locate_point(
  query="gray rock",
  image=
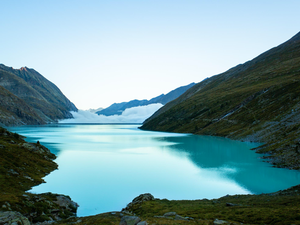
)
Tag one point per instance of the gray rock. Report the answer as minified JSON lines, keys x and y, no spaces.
{"x":217,"y":222}
{"x":142,"y":223}
{"x":37,"y":148}
{"x":138,"y":200}
{"x":11,"y":171}
{"x":177,"y":217}
{"x":29,"y":178}
{"x":6,"y":206}
{"x":130,"y":220}
{"x":142,"y":198}
{"x":170,"y":214}
{"x":66,"y":202}
{"x":13,"y":218}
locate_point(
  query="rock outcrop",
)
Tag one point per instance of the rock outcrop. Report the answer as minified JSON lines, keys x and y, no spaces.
{"x":138,"y":200}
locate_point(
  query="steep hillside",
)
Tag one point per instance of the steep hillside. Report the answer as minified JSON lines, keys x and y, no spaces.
{"x":42,"y":98}
{"x":256,"y":101}
{"x":14,"y":111}
{"x":118,"y":108}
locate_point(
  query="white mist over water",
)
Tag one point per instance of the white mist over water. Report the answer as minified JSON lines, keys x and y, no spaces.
{"x":131,"y":115}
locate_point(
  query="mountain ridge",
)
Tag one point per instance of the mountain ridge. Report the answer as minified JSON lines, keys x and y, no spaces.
{"x":36,"y":92}
{"x":118,"y":108}
{"x":255,"y":101}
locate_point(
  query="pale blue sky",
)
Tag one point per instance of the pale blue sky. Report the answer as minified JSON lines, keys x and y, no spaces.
{"x":101,"y":52}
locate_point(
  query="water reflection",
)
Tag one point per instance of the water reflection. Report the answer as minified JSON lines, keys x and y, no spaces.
{"x":103,"y":167}
{"x":234,"y":160}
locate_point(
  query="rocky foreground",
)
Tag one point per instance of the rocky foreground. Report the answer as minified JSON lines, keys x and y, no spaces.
{"x":281,"y":207}
{"x":22,"y":165}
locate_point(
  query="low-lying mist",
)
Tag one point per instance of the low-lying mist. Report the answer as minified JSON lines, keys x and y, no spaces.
{"x":132,"y":115}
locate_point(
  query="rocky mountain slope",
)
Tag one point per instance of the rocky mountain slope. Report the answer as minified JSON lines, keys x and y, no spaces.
{"x":118,"y":108}
{"x":255,"y":101}
{"x":29,"y":98}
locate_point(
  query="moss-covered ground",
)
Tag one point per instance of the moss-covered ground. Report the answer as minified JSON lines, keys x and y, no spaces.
{"x":282,"y":207}
{"x":22,"y":166}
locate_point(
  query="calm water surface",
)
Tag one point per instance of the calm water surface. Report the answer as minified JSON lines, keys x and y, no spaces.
{"x":103,"y":167}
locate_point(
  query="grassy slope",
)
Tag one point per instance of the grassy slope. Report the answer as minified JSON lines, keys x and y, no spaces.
{"x":255,"y":101}
{"x":282,"y":207}
{"x":22,"y":166}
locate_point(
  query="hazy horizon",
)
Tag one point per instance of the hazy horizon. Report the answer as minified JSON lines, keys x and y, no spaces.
{"x":103,"y":52}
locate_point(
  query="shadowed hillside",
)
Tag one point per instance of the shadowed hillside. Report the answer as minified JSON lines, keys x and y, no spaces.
{"x":29,"y":98}
{"x":255,"y":101}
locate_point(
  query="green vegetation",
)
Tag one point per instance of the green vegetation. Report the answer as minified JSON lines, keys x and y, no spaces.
{"x":22,"y":165}
{"x":256,"y":101}
{"x":282,"y":207}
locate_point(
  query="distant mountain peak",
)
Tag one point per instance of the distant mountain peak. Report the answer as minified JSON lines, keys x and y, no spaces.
{"x":118,"y":108}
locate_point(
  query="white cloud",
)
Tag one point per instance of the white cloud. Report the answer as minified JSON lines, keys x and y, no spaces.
{"x":131,"y":115}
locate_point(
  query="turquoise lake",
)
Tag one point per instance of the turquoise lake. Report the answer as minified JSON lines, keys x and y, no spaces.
{"x":103,"y":167}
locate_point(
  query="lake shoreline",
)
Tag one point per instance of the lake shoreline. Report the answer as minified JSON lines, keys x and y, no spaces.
{"x":155,"y":209}
{"x":281,"y":207}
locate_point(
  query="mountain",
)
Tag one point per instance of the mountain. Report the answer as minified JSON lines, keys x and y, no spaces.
{"x":29,"y":98}
{"x":118,"y":108}
{"x":95,"y":110}
{"x":256,"y":101}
